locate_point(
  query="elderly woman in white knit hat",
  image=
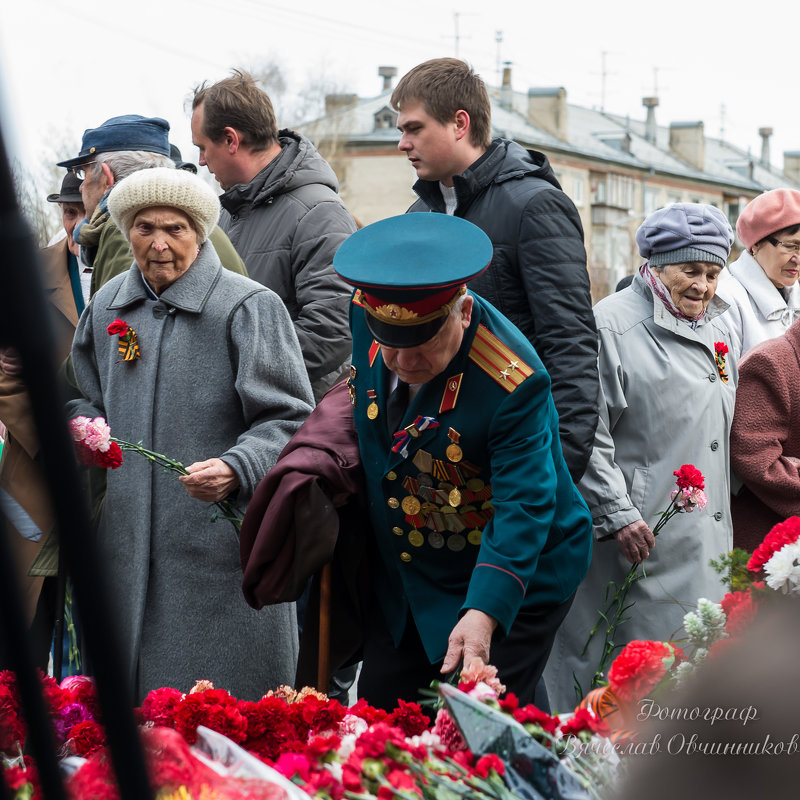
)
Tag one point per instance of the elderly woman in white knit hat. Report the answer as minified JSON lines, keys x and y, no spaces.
{"x":217,"y":382}
{"x":761,"y":286}
{"x":667,"y":400}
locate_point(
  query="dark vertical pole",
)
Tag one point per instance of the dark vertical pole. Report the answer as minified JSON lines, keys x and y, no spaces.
{"x":24,"y":324}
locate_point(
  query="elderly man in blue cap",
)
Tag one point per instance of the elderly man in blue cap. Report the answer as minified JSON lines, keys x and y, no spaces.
{"x":117,"y":148}
{"x":480,"y":537}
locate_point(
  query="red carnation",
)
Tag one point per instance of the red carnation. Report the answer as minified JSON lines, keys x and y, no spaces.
{"x":269,"y":726}
{"x":370,"y":715}
{"x":118,"y":326}
{"x":689,"y":477}
{"x":531,"y":714}
{"x":12,"y":726}
{"x":410,"y":718}
{"x":721,"y":348}
{"x":640,"y":666}
{"x":584,"y":720}
{"x":786,"y":532}
{"x":491,"y":761}
{"x":740,"y":609}
{"x":86,"y":737}
{"x":159,"y":706}
{"x":215,"y":709}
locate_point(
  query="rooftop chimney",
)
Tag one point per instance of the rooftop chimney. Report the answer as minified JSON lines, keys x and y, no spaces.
{"x":791,"y":165}
{"x":506,"y":95}
{"x":650,"y":127}
{"x":687,"y":141}
{"x":387,"y":73}
{"x":765,"y":133}
{"x":547,"y":109}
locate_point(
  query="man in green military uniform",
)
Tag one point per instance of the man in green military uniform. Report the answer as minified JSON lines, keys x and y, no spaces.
{"x":480,"y":537}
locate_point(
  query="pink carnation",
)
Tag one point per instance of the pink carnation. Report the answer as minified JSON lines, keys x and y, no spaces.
{"x":98,"y":435}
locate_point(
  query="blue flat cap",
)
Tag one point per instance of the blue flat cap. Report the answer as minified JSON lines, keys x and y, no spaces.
{"x":410,"y":270}
{"x":684,"y":232}
{"x":128,"y":132}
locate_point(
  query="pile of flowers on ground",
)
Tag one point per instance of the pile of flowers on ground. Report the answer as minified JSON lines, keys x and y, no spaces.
{"x":649,"y":669}
{"x":324,"y":748}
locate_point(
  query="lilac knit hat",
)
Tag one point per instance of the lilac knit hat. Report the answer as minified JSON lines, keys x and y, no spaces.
{"x":685,"y":232}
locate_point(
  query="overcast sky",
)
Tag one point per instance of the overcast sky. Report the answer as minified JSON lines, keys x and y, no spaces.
{"x":68,"y":66}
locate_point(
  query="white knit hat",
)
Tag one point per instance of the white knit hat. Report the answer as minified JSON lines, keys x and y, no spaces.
{"x":162,"y":186}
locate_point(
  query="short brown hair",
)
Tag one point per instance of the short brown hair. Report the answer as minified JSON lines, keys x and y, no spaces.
{"x":237,"y":102}
{"x":444,"y":86}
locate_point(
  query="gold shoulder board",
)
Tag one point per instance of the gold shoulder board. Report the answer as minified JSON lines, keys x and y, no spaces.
{"x":497,"y":360}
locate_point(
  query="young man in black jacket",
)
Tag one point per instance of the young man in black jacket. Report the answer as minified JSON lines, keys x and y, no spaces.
{"x":538,"y":276}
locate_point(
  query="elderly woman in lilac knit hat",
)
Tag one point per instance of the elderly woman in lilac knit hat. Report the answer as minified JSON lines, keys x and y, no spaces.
{"x":761,"y":286}
{"x":667,"y":400}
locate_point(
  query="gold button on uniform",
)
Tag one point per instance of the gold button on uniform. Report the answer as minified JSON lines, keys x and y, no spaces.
{"x":406,"y":557}
{"x":393,"y":502}
{"x":474,"y":536}
{"x":397,"y":531}
{"x":391,"y":475}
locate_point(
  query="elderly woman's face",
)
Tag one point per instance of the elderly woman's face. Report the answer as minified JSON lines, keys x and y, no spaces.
{"x":776,"y":256}
{"x":691,"y":285}
{"x":164,"y":245}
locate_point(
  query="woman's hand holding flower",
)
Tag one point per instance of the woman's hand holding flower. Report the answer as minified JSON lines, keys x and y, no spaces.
{"x":636,"y":541}
{"x":210,"y":480}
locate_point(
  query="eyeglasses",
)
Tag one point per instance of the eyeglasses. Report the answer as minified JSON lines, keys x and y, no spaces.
{"x":80,"y":171}
{"x":788,"y":247}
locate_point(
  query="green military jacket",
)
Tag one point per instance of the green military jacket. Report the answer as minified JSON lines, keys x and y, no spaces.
{"x":474,"y":507}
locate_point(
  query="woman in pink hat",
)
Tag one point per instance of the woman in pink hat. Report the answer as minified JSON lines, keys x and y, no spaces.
{"x":761,"y":286}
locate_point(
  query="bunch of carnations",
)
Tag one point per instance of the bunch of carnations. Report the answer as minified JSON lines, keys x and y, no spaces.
{"x":93,"y":443}
{"x":778,"y":557}
{"x":687,"y":496}
{"x":96,"y":447}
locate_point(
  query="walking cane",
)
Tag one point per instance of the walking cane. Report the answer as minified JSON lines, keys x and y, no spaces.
{"x":324,"y":658}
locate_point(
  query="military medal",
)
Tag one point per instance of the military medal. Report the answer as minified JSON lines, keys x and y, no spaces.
{"x":456,"y":543}
{"x":454,"y":452}
{"x":454,"y":498}
{"x":416,"y":538}
{"x":411,"y":505}
{"x":474,"y":536}
{"x":372,"y":408}
{"x":436,"y":540}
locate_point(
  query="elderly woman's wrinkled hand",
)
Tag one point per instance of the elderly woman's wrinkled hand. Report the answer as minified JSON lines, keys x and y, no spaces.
{"x":636,"y":541}
{"x":210,"y":480}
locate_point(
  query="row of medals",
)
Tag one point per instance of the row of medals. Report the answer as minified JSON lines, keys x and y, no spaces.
{"x":412,"y":506}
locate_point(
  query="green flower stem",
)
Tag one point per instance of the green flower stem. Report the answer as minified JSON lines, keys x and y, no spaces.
{"x":613,"y":615}
{"x":226,"y":508}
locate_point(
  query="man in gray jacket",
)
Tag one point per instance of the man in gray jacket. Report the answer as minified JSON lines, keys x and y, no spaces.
{"x":282,"y":212}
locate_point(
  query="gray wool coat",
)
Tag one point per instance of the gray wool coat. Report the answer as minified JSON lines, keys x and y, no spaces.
{"x":663,"y":404}
{"x":220,"y":375}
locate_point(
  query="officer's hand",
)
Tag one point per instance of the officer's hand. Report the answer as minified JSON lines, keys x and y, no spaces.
{"x":10,"y":362}
{"x":471,"y":638}
{"x":636,"y":541}
{"x":210,"y":480}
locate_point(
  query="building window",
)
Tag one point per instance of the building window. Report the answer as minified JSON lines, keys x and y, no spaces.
{"x":577,"y":192}
{"x":385,"y":118}
{"x":650,"y":200}
{"x":612,"y":189}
